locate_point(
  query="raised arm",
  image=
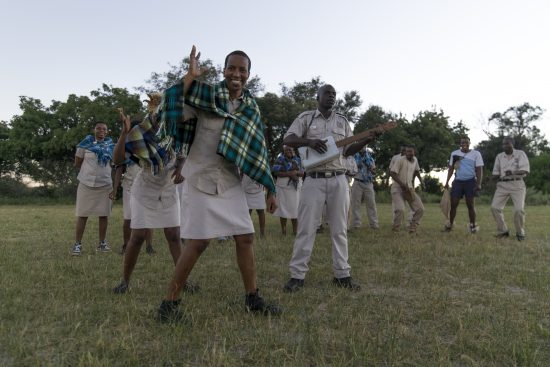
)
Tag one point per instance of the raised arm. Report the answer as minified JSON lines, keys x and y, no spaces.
{"x":118,"y":176}
{"x":119,"y":154}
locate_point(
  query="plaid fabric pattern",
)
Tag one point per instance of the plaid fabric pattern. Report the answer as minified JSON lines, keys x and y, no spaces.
{"x":242,"y":139}
{"x":364,"y":165}
{"x":146,"y":143}
{"x":102,"y":149}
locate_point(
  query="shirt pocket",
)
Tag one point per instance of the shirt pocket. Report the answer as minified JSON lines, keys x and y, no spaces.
{"x":338,"y":133}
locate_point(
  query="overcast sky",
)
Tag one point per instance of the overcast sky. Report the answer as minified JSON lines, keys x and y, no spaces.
{"x":470,"y":58}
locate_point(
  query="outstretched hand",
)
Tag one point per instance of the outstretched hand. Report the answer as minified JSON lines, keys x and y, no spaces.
{"x":195,"y":70}
{"x":127,"y":123}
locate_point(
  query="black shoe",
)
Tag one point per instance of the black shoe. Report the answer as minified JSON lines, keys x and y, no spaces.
{"x":503,"y":235}
{"x":254,"y":303}
{"x":191,"y":288}
{"x":121,"y":288}
{"x":149,"y":250}
{"x":293,"y":285}
{"x":520,"y":237}
{"x":346,"y":282}
{"x":169,"y":312}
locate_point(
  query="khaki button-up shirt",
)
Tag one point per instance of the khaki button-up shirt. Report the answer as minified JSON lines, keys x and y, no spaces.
{"x":207,"y":171}
{"x":517,"y":161}
{"x":405,"y":170}
{"x":91,"y":173}
{"x":321,"y":127}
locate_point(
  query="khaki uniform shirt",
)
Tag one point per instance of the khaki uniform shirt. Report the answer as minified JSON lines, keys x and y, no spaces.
{"x":321,"y":127}
{"x":517,"y":161}
{"x":91,"y":173}
{"x":405,"y":170}
{"x":205,"y":170}
{"x":397,"y":156}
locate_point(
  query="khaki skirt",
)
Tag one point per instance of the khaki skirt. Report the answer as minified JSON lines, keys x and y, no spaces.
{"x":211,"y":216}
{"x":154,"y":201}
{"x":93,"y":201}
{"x":126,"y":204}
{"x":288,"y":199}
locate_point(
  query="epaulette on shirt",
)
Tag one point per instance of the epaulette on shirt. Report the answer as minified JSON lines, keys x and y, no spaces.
{"x":342,"y":116}
{"x":306,"y":113}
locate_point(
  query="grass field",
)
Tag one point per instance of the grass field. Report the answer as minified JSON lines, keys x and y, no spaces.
{"x":434,"y":299}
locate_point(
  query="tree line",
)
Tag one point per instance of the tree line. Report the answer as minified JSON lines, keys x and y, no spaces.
{"x":40,"y":142}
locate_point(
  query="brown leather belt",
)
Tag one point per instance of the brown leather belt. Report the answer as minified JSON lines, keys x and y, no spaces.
{"x":324,"y":174}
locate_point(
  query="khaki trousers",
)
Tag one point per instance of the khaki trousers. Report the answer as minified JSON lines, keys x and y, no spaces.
{"x":398,"y":204}
{"x":315,"y":192}
{"x":506,"y":190}
{"x":360,"y":192}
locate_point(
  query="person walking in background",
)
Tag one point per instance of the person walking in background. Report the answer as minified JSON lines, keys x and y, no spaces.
{"x":255,"y":199}
{"x":126,"y":173}
{"x":403,"y":172}
{"x":511,"y":166}
{"x":467,"y":165}
{"x":363,"y":190}
{"x":93,"y":159}
{"x":289,"y":173}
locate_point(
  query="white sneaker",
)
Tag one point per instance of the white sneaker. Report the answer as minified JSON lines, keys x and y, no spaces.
{"x":473,"y":229}
{"x":103,"y":247}
{"x":77,"y":249}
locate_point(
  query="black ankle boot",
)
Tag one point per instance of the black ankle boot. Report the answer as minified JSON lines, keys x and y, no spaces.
{"x":169,"y":311}
{"x":255,"y":303}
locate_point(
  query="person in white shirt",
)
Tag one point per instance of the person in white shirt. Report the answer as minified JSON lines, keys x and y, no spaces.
{"x":93,"y":159}
{"x":467,"y":165}
{"x":511,"y":166}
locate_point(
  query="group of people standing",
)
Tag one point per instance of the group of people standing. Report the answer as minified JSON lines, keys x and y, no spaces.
{"x":196,"y":165}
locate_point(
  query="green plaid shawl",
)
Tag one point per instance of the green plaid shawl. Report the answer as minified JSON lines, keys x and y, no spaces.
{"x":242,"y":139}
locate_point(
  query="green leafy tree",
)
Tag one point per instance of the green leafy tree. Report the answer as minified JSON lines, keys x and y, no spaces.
{"x":434,"y":137}
{"x":44,"y":138}
{"x":7,"y":159}
{"x":519,"y":122}
{"x":539,"y":178}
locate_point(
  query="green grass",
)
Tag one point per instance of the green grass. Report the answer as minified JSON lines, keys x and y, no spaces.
{"x":434,"y":299}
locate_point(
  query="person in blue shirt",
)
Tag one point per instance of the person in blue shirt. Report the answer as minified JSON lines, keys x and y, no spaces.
{"x":362,"y":190}
{"x":467,"y":165}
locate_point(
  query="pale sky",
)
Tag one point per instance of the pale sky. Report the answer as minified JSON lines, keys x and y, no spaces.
{"x":470,"y":58}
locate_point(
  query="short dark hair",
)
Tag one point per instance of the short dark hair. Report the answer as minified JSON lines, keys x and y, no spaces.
{"x":100,"y":122}
{"x":238,"y":53}
{"x":510,"y":139}
{"x":466,"y":137}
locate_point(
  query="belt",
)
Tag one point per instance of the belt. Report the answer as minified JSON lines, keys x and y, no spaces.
{"x":363,"y":181}
{"x":324,"y":174}
{"x":510,"y":179}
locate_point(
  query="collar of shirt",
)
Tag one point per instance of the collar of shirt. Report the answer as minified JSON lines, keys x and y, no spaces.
{"x":317,"y":113}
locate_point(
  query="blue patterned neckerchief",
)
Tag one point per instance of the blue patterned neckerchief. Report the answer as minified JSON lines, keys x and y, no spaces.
{"x":242,"y":140}
{"x":364,"y":164}
{"x":284,"y":164}
{"x":102,"y":149}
